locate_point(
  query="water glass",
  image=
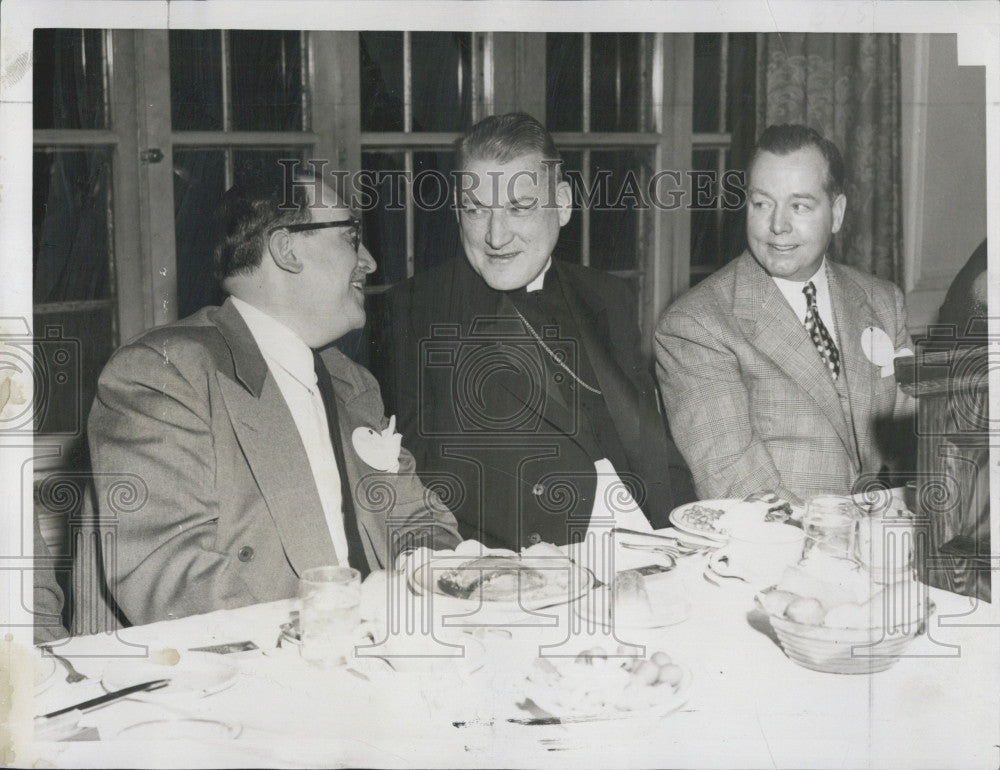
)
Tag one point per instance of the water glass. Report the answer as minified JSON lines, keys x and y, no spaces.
{"x":330,"y":614}
{"x":830,"y":523}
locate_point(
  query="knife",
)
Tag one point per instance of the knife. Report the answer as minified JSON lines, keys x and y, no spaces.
{"x":695,"y":540}
{"x":93,"y":703}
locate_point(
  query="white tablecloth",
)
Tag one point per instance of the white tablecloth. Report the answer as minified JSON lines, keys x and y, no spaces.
{"x":750,"y":706}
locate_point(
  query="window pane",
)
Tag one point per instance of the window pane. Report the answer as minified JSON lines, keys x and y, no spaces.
{"x":196,"y":79}
{"x":199,"y":179}
{"x":441,"y":81}
{"x":383,"y":216}
{"x":381,"y":81}
{"x":614,"y":81}
{"x":435,"y":228}
{"x":569,"y":245}
{"x":265,"y":77}
{"x":705,"y":221}
{"x":615,"y":235}
{"x":71,"y":348}
{"x":564,"y":81}
{"x":69,"y":79}
{"x":707,"y":69}
{"x":741,"y":97}
{"x":71,"y":197}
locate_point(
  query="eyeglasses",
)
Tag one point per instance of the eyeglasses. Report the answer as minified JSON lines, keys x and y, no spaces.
{"x":352,"y":222}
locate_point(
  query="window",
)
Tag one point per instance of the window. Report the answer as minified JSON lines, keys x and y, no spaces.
{"x":723,"y":135}
{"x":238,"y":102}
{"x":419,"y":91}
{"x":137,"y":133}
{"x":599,"y":102}
{"x":73,"y":225}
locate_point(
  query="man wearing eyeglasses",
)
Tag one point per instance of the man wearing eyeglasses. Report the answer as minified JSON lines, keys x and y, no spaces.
{"x":255,"y":450}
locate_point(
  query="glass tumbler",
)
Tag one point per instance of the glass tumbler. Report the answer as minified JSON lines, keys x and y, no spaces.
{"x":830,"y":523}
{"x":330,"y":614}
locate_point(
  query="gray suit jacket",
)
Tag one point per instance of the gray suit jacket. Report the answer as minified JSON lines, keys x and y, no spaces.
{"x":226,"y":512}
{"x":751,"y":403}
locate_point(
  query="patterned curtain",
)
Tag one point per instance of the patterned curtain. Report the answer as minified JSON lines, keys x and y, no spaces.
{"x":847,"y":88}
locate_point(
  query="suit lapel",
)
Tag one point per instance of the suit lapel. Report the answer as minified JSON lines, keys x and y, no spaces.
{"x":270,"y":442}
{"x":852,"y":313}
{"x":773,"y":328}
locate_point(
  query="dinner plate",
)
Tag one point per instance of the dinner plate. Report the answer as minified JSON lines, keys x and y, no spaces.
{"x":585,"y":685}
{"x":179,"y":729}
{"x":667,"y":611}
{"x":715,"y":519}
{"x":196,"y":675}
{"x":45,"y":673}
{"x":565,"y":581}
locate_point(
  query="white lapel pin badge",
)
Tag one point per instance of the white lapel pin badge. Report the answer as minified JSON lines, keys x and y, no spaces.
{"x":380,"y":450}
{"x":878,"y":349}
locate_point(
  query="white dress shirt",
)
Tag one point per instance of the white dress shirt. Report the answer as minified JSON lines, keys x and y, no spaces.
{"x":792,"y":290}
{"x":290,"y":362}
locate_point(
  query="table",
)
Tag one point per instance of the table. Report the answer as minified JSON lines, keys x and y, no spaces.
{"x":750,"y":706}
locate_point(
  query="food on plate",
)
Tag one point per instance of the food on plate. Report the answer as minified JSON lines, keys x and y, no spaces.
{"x":775,"y":602}
{"x":630,"y":596}
{"x":501,"y":578}
{"x":897,"y":606}
{"x":834,"y":583}
{"x":838,"y":596}
{"x":702,"y":518}
{"x":805,"y":610}
{"x":848,"y":615}
{"x":597,"y":681}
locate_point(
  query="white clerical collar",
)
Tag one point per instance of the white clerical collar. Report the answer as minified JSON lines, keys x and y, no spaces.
{"x":539,"y":282}
{"x":278,"y":343}
{"x":795,"y":287}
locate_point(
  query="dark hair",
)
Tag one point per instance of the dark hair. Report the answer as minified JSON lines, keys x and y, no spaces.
{"x":246,"y":213}
{"x":787,"y":138}
{"x":505,"y":137}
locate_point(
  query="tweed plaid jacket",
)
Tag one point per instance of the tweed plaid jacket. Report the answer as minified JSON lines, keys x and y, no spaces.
{"x":751,"y":404}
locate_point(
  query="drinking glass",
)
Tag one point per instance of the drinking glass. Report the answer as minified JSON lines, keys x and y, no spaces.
{"x":830,"y":523}
{"x":330,"y":614}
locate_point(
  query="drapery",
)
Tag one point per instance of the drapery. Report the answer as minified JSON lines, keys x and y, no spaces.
{"x":847,"y":88}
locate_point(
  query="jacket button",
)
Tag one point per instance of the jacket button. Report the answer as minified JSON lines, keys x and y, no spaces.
{"x":538,"y":490}
{"x":245,"y":554}
{"x":534,"y":538}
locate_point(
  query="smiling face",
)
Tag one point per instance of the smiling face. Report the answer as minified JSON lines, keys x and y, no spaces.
{"x":791,"y":217}
{"x":331,"y":283}
{"x":509,"y":215}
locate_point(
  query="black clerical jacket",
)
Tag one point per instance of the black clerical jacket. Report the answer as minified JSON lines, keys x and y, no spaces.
{"x":495,"y":424}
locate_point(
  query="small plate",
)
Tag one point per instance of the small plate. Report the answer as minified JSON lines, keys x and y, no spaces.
{"x":196,"y":675}
{"x":667,"y":611}
{"x":574,"y":700}
{"x":423,"y":580}
{"x":180,"y":729}
{"x":731,"y":512}
{"x":45,"y":673}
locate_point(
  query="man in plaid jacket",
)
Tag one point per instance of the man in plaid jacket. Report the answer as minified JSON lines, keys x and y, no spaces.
{"x":777,"y":370}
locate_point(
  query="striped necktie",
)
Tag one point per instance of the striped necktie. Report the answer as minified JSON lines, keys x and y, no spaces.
{"x":818,"y":332}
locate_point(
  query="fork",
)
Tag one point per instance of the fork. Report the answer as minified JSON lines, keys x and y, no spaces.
{"x":73,"y":676}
